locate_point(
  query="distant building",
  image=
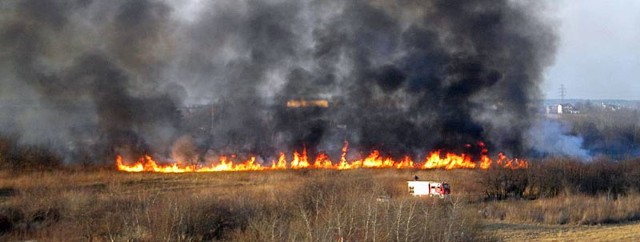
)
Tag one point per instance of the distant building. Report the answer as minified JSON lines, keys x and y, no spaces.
{"x":611,"y":107}
{"x":559,"y":108}
{"x":565,"y":108}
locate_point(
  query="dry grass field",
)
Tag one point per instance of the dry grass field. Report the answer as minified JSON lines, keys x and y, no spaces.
{"x":302,"y":205}
{"x":546,"y":232}
{"x":241,"y":206}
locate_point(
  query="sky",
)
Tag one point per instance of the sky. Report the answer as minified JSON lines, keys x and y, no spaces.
{"x":598,"y":55}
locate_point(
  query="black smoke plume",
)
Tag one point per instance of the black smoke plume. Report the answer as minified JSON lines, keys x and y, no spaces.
{"x":96,"y":78}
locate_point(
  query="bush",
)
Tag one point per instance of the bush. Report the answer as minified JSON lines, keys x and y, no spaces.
{"x":501,"y":183}
{"x":631,"y":174}
{"x":562,"y":176}
{"x":555,"y":176}
{"x":24,"y":157}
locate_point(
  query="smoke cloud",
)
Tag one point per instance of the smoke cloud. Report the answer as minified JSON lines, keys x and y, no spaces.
{"x":552,"y":137}
{"x":98,"y":78}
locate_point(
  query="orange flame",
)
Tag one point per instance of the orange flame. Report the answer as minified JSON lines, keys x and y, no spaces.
{"x":434,"y":160}
{"x":322,"y":103}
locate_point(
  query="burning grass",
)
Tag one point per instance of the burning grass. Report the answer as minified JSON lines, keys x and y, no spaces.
{"x":434,"y":160}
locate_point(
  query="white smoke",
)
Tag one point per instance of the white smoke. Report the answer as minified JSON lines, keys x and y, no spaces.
{"x":551,"y":137}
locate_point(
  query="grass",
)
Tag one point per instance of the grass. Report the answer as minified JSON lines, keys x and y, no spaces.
{"x":244,"y":206}
{"x":572,"y":209}
{"x":304,"y":205}
{"x":544,"y":232}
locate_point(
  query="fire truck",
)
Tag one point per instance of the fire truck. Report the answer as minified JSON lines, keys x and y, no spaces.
{"x":428,"y":188}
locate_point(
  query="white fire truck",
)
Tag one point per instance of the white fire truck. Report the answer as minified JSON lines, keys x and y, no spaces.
{"x":428,"y":188}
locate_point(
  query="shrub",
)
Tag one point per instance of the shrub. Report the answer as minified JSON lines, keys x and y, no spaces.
{"x":25,"y":157}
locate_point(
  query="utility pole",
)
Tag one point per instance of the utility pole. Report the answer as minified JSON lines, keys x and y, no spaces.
{"x":563,"y":91}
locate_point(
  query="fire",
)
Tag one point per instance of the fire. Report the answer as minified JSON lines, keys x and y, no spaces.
{"x":434,"y":160}
{"x":322,"y":103}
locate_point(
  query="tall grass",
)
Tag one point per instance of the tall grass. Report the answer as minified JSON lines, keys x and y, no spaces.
{"x":278,"y":206}
{"x":573,"y":209}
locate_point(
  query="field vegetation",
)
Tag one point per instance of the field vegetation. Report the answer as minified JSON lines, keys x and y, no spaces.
{"x":360,"y":205}
{"x":310,"y":205}
{"x":42,"y":198}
